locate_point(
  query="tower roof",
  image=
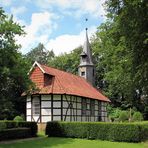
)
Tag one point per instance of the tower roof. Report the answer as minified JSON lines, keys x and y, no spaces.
{"x":87,"y":51}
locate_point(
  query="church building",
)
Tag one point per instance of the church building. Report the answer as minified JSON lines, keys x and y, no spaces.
{"x":62,"y":96}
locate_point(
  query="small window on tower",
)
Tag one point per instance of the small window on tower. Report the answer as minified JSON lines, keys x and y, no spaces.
{"x":83,"y":73}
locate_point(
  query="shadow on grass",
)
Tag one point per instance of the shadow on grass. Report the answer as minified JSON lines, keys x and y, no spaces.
{"x":45,"y":142}
{"x":56,"y":142}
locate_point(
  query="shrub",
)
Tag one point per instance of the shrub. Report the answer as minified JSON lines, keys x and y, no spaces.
{"x":137,"y":116}
{"x":99,"y":131}
{"x":123,"y":116}
{"x":10,"y":124}
{"x":31,"y":125}
{"x":115,"y":113}
{"x":18,"y":119}
{"x":126,"y":132}
{"x":15,"y":133}
{"x":2,"y":126}
{"x":75,"y":129}
{"x":54,"y":129}
{"x":6,"y":125}
{"x":144,"y":131}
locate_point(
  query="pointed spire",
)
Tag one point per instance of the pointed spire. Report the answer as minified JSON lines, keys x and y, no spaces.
{"x":87,"y":51}
{"x":86,"y":67}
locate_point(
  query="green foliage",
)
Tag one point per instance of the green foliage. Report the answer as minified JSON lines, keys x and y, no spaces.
{"x":2,"y":126}
{"x":113,"y":113}
{"x":105,"y":131}
{"x":54,"y":129}
{"x":13,"y":69}
{"x":31,"y":125}
{"x":15,"y":133}
{"x":124,"y":116}
{"x":57,"y":142}
{"x":18,"y":119}
{"x":137,"y":116}
{"x":13,"y":124}
{"x":76,"y":130}
{"x":67,"y":62}
{"x":9,"y":124}
{"x":125,"y":132}
{"x":120,"y":54}
{"x":39,"y":54}
{"x":131,"y":20}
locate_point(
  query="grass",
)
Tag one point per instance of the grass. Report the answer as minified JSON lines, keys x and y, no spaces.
{"x":45,"y":142}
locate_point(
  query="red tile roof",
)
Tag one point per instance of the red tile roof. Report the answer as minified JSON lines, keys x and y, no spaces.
{"x":63,"y":83}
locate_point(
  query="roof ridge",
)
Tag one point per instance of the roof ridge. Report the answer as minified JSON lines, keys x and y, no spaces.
{"x":62,"y":71}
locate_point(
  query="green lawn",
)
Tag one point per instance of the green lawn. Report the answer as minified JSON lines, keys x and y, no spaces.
{"x":45,"y":142}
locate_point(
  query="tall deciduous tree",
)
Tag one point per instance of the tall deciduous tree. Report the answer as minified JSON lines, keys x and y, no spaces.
{"x":13,"y":69}
{"x":132,"y":20}
{"x":68,"y":61}
{"x":121,"y":50}
{"x":40,"y":54}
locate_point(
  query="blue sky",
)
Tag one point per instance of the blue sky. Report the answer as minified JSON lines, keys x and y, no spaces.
{"x":58,"y":24}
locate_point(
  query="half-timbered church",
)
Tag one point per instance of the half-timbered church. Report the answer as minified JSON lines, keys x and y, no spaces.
{"x":62,"y":96}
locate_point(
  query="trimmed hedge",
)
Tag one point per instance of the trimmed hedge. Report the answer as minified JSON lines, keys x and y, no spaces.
{"x":31,"y":125}
{"x":15,"y":133}
{"x":8,"y":124}
{"x":11,"y":127}
{"x":126,"y":132}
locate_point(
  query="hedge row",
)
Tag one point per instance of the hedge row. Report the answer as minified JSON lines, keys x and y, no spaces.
{"x":16,"y":129}
{"x":15,"y":133}
{"x":127,"y":132}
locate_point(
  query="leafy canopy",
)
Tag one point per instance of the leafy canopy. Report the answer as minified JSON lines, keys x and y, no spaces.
{"x":13,"y":68}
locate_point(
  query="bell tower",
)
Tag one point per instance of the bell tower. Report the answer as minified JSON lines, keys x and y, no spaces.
{"x":86,"y":67}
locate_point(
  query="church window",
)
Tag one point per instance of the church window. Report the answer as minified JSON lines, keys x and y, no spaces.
{"x":36,"y":105}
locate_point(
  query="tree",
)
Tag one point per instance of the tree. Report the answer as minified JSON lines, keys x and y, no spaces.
{"x":120,"y":49}
{"x":67,"y":62}
{"x":40,"y":54}
{"x":13,"y":69}
{"x":132,"y":23}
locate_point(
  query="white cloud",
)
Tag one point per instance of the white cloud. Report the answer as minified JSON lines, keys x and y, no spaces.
{"x":18,"y":10}
{"x":80,"y":7}
{"x":5,"y":3}
{"x":66,"y":42}
{"x":39,"y":30}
